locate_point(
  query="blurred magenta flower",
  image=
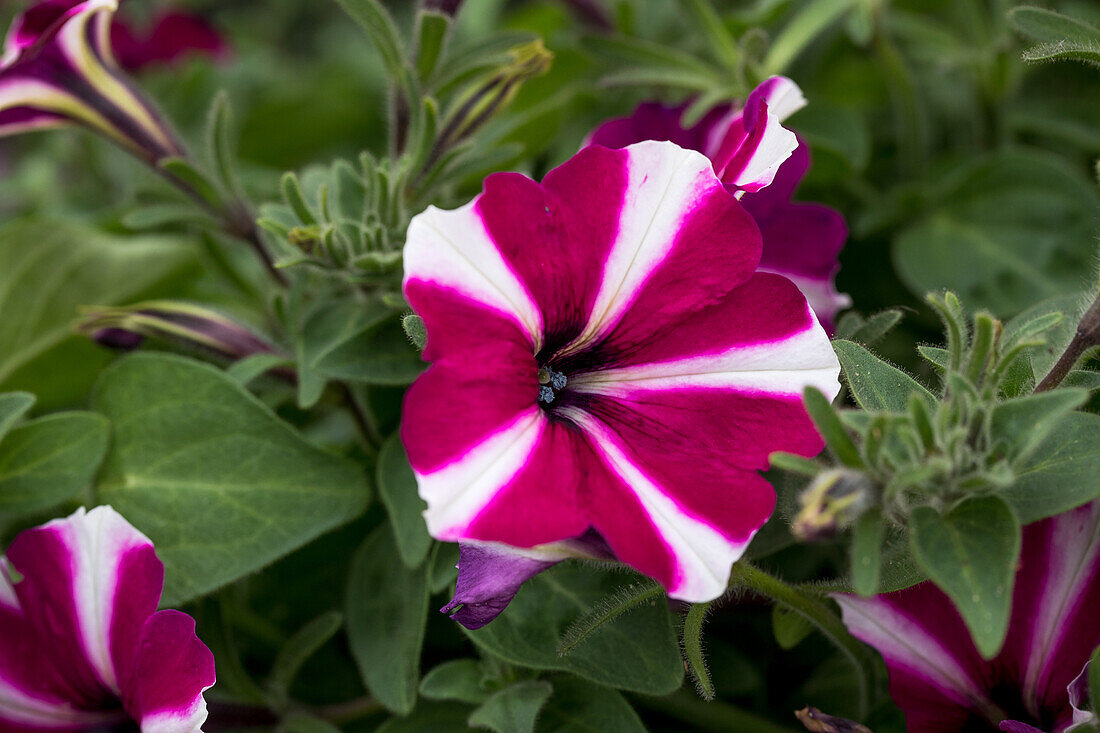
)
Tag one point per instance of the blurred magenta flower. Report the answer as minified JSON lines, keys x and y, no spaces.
{"x":605,"y":358}
{"x":58,"y":69}
{"x":172,"y":36}
{"x":755,"y":155}
{"x":1037,"y":682}
{"x":82,"y":645}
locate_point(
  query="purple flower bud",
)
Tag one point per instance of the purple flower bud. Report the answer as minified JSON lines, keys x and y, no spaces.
{"x":172,"y":36}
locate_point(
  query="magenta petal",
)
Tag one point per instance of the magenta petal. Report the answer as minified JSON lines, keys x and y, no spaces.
{"x":171,"y":670}
{"x":653,"y":121}
{"x":174,"y":36}
{"x":489,"y":576}
{"x":1015,"y":726}
{"x":35,"y":23}
{"x":483,"y":378}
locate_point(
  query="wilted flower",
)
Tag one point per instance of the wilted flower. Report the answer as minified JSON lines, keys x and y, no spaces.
{"x":832,"y":501}
{"x":58,"y":69}
{"x":752,"y":152}
{"x":82,"y":645}
{"x":604,"y":359}
{"x":1036,"y":684}
{"x":171,"y":36}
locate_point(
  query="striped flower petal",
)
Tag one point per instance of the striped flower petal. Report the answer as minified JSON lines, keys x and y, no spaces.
{"x":77,"y":646}
{"x":801,"y":241}
{"x":937,"y":676}
{"x":58,"y":68}
{"x":601,"y":350}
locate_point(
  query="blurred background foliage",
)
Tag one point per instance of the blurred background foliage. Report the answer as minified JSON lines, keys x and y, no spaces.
{"x":956,"y":165}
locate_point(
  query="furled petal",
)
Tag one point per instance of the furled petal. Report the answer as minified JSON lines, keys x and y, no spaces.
{"x":171,"y":670}
{"x":750,"y":145}
{"x":173,"y":36}
{"x":1078,"y":693}
{"x":936,"y":675}
{"x":489,"y":576}
{"x":58,"y":66}
{"x":1054,"y":624}
{"x":89,"y":583}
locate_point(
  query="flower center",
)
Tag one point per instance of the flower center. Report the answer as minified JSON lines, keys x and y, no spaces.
{"x":550,"y":384}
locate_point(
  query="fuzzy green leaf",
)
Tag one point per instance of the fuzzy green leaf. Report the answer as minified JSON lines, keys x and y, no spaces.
{"x":693,"y":650}
{"x":457,"y":679}
{"x":578,"y":706}
{"x":220,"y":484}
{"x":1020,"y":425}
{"x":637,"y":652}
{"x":1061,"y":472}
{"x":788,"y":627}
{"x":831,"y":428}
{"x":13,"y":405}
{"x":513,"y":709}
{"x":867,"y":536}
{"x":46,"y":461}
{"x":876,"y":385}
{"x":971,"y":554}
{"x":397,"y":488}
{"x":387,"y":610}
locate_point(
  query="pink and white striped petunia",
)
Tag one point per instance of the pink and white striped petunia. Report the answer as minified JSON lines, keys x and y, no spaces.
{"x":82,"y":645}
{"x":1036,"y":683}
{"x":58,"y":69}
{"x":801,"y":240}
{"x":605,"y":359}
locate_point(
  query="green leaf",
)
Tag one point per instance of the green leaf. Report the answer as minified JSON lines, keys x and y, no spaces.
{"x":876,"y":385}
{"x":513,"y":709}
{"x":875,"y":327}
{"x":1057,"y":338}
{"x":190,"y":176}
{"x":935,"y":355}
{"x":831,"y":428}
{"x":303,"y":723}
{"x":1020,"y":425}
{"x":292,"y":194}
{"x":722,"y":44}
{"x":1061,"y":37}
{"x":578,"y":706}
{"x":246,"y":370}
{"x":219,"y":148}
{"x":431,"y":32}
{"x":1065,"y":51}
{"x":48,"y":270}
{"x":1061,"y":472}
{"x":46,"y":461}
{"x":373,"y":17}
{"x":811,"y":19}
{"x":220,"y":484}
{"x":867,"y":537}
{"x":457,"y":679}
{"x":299,"y":648}
{"x":971,"y":554}
{"x":638,"y":652}
{"x":13,"y":405}
{"x":153,"y":216}
{"x":387,"y":610}
{"x":1010,"y":228}
{"x":397,"y":487}
{"x":788,"y":627}
{"x":358,"y":342}
{"x":429,"y":718}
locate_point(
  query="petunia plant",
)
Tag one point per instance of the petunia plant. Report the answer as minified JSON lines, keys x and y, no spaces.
{"x":539,"y":366}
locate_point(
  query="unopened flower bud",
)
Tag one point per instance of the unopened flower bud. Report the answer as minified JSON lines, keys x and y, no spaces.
{"x":181,"y":323}
{"x":832,"y":501}
{"x":818,"y":722}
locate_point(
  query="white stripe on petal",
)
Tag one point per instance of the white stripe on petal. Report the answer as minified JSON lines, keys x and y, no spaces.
{"x":906,"y":644}
{"x":174,"y":722}
{"x":454,"y":250}
{"x":664,"y":183}
{"x":783,"y":96}
{"x":457,"y":493}
{"x":775,"y":146}
{"x":97,"y":541}
{"x":16,"y":706}
{"x":703,"y":556}
{"x":781,"y":367}
{"x":1073,"y":554}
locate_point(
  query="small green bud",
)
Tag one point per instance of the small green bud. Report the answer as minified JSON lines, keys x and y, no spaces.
{"x":831,"y":502}
{"x":305,"y":238}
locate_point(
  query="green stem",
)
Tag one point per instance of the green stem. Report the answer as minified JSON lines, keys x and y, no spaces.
{"x":715,"y":716}
{"x":817,"y":613}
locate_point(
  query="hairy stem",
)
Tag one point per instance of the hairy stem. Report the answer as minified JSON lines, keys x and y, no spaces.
{"x":1087,"y":336}
{"x":816,"y":612}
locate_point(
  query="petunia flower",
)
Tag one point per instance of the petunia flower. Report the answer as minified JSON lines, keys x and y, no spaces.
{"x":1036,"y":684}
{"x":82,"y":645}
{"x":58,"y":69}
{"x":801,"y":240}
{"x":172,"y":36}
{"x":606,"y":359}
